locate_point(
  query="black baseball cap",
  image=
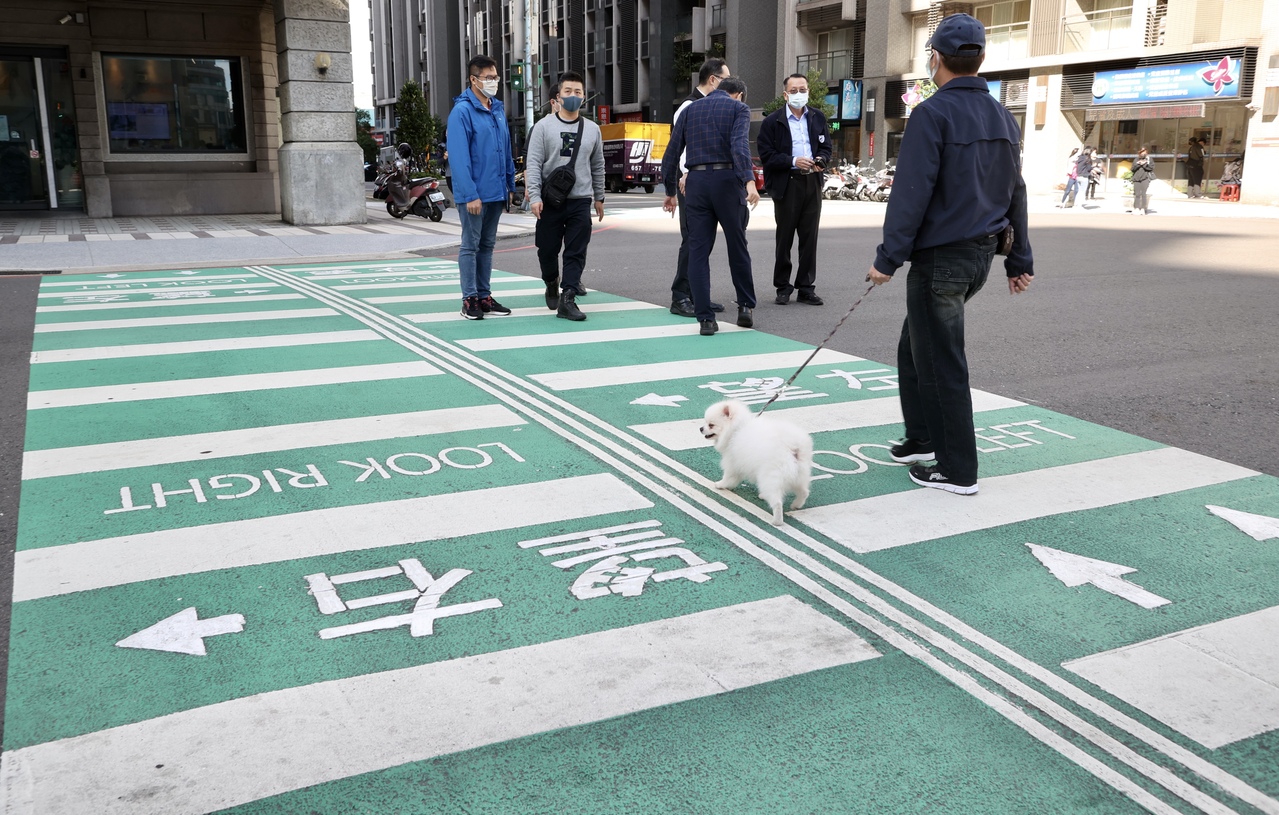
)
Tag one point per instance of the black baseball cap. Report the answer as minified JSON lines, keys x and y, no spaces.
{"x":959,"y":35}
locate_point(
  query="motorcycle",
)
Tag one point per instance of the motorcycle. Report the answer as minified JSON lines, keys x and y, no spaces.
{"x":834,"y":184}
{"x":412,"y":196}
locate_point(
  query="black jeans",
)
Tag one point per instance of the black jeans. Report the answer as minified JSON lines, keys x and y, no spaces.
{"x":799,"y":211}
{"x":680,"y":289}
{"x":716,"y":197}
{"x":932,"y":367}
{"x":567,"y":227}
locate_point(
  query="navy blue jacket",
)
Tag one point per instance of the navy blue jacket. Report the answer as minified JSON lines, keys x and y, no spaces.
{"x":716,"y":130}
{"x":774,"y":142}
{"x":480,"y":150}
{"x":958,"y":178}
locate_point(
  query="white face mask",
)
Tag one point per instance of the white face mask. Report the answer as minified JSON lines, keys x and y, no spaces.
{"x":489,"y":87}
{"x":932,"y":70}
{"x":797,"y":100}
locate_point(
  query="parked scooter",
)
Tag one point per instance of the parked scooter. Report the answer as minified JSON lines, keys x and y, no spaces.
{"x":412,"y":196}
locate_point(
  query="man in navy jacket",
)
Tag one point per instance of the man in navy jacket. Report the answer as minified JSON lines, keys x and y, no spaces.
{"x":794,"y":147}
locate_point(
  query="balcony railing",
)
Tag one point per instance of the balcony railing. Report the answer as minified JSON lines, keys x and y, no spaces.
{"x":1008,"y":42}
{"x":833,"y":64}
{"x":1099,"y":30}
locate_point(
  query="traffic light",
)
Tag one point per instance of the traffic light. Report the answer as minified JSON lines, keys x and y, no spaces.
{"x":518,"y":80}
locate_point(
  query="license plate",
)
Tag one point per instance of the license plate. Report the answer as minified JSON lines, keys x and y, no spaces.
{"x":436,"y":196}
{"x":646,"y":178}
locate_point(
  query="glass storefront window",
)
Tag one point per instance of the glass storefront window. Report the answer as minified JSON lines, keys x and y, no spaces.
{"x":174,"y":104}
{"x":1167,"y":140}
{"x":62,"y":132}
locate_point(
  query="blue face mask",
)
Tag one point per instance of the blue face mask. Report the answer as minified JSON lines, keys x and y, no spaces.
{"x":571,"y":103}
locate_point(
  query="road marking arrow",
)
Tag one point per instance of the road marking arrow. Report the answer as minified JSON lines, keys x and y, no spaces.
{"x":659,"y":401}
{"x":186,"y":272}
{"x":251,"y":291}
{"x":110,"y":275}
{"x":1076,"y":570}
{"x":1260,"y":527}
{"x":183,"y":633}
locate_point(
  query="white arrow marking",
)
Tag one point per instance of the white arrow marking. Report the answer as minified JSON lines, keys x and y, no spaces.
{"x":659,"y":401}
{"x":1076,"y":570}
{"x":251,"y":291}
{"x":110,"y":275}
{"x":1260,"y":527}
{"x":183,"y":633}
{"x":185,"y":272}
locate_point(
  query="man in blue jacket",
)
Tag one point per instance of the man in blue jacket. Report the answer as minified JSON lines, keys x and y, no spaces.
{"x":958,"y":186}
{"x":479,"y":146}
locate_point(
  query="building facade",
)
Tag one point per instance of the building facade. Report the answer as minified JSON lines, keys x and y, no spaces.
{"x":1114,"y":74}
{"x":169,"y":107}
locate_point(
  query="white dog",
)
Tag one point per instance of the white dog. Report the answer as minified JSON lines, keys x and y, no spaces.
{"x":774,"y":455}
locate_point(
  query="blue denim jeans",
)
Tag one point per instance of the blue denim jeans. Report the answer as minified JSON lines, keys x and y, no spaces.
{"x":475,"y":257}
{"x":932,"y":367}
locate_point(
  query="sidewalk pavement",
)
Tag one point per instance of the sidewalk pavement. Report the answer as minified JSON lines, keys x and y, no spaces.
{"x":70,"y":243}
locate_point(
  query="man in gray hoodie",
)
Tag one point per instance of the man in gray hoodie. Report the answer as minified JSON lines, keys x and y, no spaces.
{"x":566,"y":227}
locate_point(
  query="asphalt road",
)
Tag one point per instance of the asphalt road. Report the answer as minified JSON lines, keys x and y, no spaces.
{"x":1159,"y":326}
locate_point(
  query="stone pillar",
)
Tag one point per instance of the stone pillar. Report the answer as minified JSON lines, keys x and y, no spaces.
{"x":321,"y":165}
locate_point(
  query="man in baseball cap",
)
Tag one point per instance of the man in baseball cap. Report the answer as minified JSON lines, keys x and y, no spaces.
{"x":957,"y":196}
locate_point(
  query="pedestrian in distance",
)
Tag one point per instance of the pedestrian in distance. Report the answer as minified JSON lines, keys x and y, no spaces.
{"x":1072,"y":181}
{"x":958,"y":190}
{"x":713,"y":72}
{"x":1195,"y":168}
{"x":719,"y":187}
{"x":479,"y":145}
{"x":794,"y":146}
{"x":1143,"y":172}
{"x":1094,"y":175}
{"x":563,"y":176}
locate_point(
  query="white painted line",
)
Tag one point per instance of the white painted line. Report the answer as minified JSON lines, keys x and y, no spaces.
{"x":90,"y":280}
{"x":73,"y":567}
{"x":685,"y":369}
{"x":138,"y":391}
{"x":587,"y":337}
{"x":134,"y":288}
{"x":437,"y":298}
{"x":258,"y":746}
{"x":180,"y":301}
{"x":201,"y":346}
{"x":902,"y":518}
{"x":387,"y":266}
{"x":537,"y":311}
{"x":1217,"y":684}
{"x":446,"y":280}
{"x":186,"y":319}
{"x":682,"y":434}
{"x":96,"y":458}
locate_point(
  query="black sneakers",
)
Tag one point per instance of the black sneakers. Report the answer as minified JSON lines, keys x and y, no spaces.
{"x":709,"y":327}
{"x":930,"y":476}
{"x":810,"y":299}
{"x":490,"y":306}
{"x":552,"y":294}
{"x":683,"y":308}
{"x":568,"y":309}
{"x":471,"y":308}
{"x":744,"y":317}
{"x":912,"y":450}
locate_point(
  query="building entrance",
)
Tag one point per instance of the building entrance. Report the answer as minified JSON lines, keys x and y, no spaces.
{"x":39,"y":158}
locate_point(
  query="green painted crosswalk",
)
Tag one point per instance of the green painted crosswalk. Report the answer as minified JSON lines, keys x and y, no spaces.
{"x":301,"y":539}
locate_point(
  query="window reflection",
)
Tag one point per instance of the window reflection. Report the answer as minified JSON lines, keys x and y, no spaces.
{"x":173,"y":104}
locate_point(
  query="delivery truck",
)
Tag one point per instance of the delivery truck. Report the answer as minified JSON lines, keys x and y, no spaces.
{"x":633,"y":154}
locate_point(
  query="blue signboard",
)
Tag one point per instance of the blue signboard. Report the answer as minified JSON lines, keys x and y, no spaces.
{"x":994,"y":86}
{"x":850,"y":100}
{"x":1210,"y":79}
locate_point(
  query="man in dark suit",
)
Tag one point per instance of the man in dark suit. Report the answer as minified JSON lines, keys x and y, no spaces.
{"x":794,"y":147}
{"x":719,"y":186}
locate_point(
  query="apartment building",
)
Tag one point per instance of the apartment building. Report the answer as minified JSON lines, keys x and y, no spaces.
{"x":1114,"y":74}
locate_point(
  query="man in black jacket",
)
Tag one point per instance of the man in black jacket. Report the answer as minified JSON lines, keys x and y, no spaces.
{"x":794,"y":145}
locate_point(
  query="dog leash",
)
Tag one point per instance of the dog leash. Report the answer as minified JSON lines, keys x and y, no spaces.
{"x":819,"y":347}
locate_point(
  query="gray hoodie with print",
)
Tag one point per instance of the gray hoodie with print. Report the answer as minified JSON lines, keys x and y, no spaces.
{"x":550,"y":147}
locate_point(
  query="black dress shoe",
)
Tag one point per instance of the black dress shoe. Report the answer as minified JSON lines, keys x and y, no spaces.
{"x":552,"y":294}
{"x":810,"y":299}
{"x":782,"y":299}
{"x":568,"y":309}
{"x":683,"y":308}
{"x":709,"y":327}
{"x":744,"y":318}
{"x":717,"y":306}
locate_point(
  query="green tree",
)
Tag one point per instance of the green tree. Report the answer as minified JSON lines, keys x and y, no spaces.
{"x":816,"y":96}
{"x":414,"y":118}
{"x":364,"y":134}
